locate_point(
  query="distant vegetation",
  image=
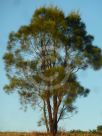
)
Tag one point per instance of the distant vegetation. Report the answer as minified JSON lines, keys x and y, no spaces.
{"x":99,"y":128}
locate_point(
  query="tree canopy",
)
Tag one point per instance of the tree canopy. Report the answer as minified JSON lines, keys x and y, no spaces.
{"x":42,"y":61}
{"x":99,"y":128}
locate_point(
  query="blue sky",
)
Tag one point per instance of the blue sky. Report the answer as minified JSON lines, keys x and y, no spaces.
{"x":13,"y":14}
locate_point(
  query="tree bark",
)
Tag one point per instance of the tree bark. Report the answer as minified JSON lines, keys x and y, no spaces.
{"x":55,"y":110}
{"x":45,"y":117}
{"x":49,"y":114}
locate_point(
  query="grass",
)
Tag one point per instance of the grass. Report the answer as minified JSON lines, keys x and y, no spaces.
{"x":47,"y":134}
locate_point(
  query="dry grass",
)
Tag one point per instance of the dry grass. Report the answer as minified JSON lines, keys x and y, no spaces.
{"x":47,"y":134}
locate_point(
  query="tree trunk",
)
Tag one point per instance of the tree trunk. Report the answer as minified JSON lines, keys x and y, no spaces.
{"x":52,"y":116}
{"x":45,"y":116}
{"x":49,"y":114}
{"x":55,"y":110}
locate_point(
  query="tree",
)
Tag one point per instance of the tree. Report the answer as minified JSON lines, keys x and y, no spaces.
{"x":99,"y":128}
{"x":42,"y":61}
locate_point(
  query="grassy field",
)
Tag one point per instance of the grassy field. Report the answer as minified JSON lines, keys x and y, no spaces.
{"x":46,"y":134}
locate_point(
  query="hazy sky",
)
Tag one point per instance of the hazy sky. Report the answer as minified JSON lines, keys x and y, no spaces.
{"x":13,"y":14}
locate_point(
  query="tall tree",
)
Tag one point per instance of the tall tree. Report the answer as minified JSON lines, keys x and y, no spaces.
{"x":42,"y":61}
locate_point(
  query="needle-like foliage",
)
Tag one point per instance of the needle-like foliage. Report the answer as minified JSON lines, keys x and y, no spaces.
{"x":42,"y":61}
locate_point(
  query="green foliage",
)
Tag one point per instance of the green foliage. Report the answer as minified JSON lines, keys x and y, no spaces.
{"x":99,"y":128}
{"x":43,"y":58}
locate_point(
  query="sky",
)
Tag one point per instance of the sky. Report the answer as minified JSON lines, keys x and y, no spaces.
{"x":15,"y":13}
